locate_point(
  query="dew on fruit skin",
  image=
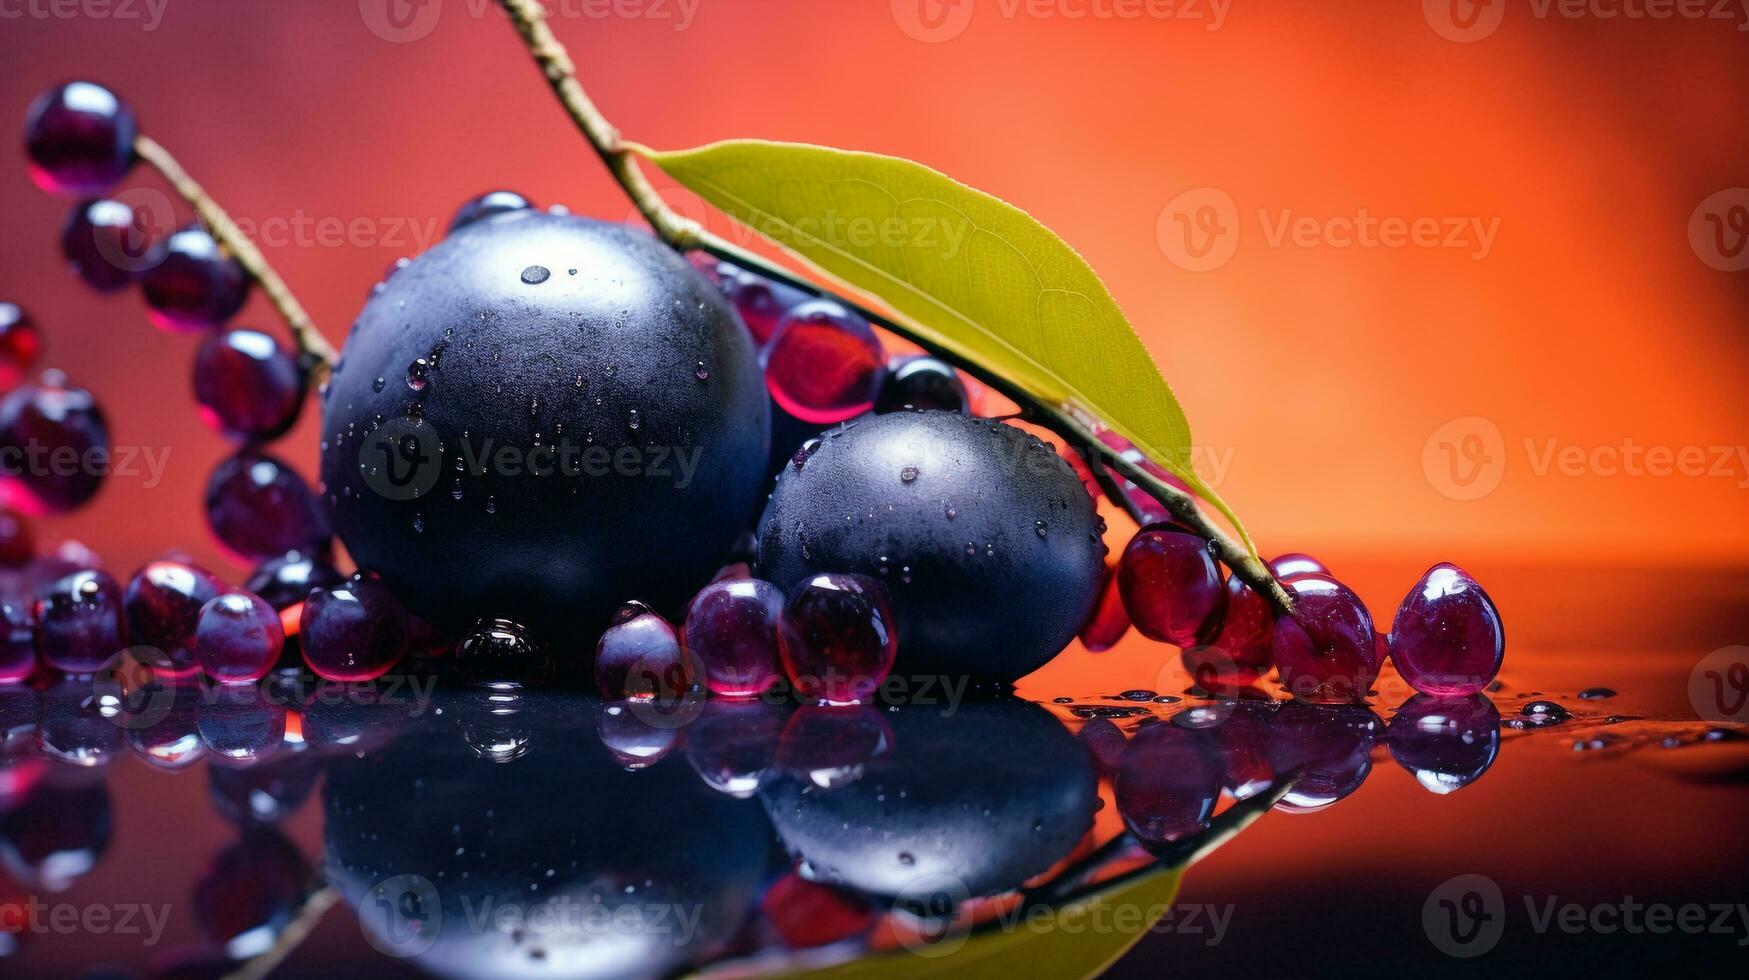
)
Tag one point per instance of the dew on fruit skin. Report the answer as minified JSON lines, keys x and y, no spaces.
{"x":379,"y":384}
{"x":701,"y":372}
{"x":491,"y":505}
{"x":456,"y":491}
{"x":633,"y":420}
{"x":1040,"y":527}
{"x":951,"y":513}
{"x":534,"y":275}
{"x":908,"y":474}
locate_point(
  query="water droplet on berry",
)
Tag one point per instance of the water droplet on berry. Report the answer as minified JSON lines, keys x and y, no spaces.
{"x":534,"y":275}
{"x":419,"y":374}
{"x":908,"y":474}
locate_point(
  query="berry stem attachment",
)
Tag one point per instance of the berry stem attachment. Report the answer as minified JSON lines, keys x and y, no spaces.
{"x":683,"y":234}
{"x":317,"y":352}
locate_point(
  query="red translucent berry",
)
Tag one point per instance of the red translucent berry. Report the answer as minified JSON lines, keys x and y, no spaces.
{"x":837,"y":638}
{"x":79,"y":622}
{"x":104,"y":245}
{"x":1152,"y":511}
{"x":20,"y":344}
{"x":639,"y":656}
{"x":823,"y":363}
{"x":17,"y":643}
{"x":1171,"y":585}
{"x":731,"y":627}
{"x":54,"y":445}
{"x":759,"y":301}
{"x":1445,"y":743}
{"x":249,"y":386}
{"x":1447,"y":638}
{"x":831,"y":745}
{"x":1329,"y":746}
{"x":1110,"y":620}
{"x":1167,"y":783}
{"x":163,"y":603}
{"x":353,"y":632}
{"x":809,"y":914}
{"x":1239,"y":652}
{"x":286,"y":581}
{"x":259,"y":508}
{"x":1293,"y":563}
{"x":17,"y":540}
{"x":486,"y":205}
{"x":192,"y":283}
{"x":1327,"y":650}
{"x":238,"y":639}
{"x":502,"y":653}
{"x":80,"y":138}
{"x":920,"y":382}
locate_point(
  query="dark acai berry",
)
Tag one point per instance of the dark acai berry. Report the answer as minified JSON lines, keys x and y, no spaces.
{"x":248,"y":385}
{"x":982,"y":535}
{"x":238,"y":638}
{"x":192,"y":283}
{"x":1171,"y":585}
{"x":259,"y":508}
{"x":79,"y":622}
{"x":104,"y":244}
{"x":920,"y":382}
{"x":486,"y":205}
{"x":731,"y":627}
{"x":54,"y":445}
{"x":1326,"y":650}
{"x":837,"y":638}
{"x":353,"y":632}
{"x":20,"y":345}
{"x":823,"y":363}
{"x":1447,"y":639}
{"x":80,"y":139}
{"x":163,"y":602}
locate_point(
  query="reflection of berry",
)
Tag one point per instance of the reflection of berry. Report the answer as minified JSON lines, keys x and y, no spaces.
{"x":1167,"y":783}
{"x":807,"y":914}
{"x":80,"y":138}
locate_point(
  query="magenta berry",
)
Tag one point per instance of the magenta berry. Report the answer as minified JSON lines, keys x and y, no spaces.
{"x":1326,"y":651}
{"x":920,"y":382}
{"x":80,"y":139}
{"x":259,"y":508}
{"x":20,"y":345}
{"x":1447,"y":638}
{"x":192,"y":283}
{"x":487,"y":205}
{"x":17,"y":641}
{"x":760,"y":302}
{"x":79,"y":622}
{"x":103,"y":245}
{"x":1171,"y":585}
{"x":639,"y":656}
{"x":353,"y":632}
{"x":54,"y":444}
{"x":837,"y":638}
{"x":285,"y":581}
{"x":163,"y":602}
{"x":248,"y":384}
{"x":823,"y":363}
{"x":1293,"y":563}
{"x":731,"y":627}
{"x":1110,"y":620}
{"x":238,"y":639}
{"x":1239,"y":652}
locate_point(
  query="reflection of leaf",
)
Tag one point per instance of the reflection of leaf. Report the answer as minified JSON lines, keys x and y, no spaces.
{"x":969,"y":273}
{"x":1080,"y":938}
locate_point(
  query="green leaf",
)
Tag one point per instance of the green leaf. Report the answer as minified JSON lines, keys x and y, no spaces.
{"x":969,"y":273}
{"x":1081,"y":938}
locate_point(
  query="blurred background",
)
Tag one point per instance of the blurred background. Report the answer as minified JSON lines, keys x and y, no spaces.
{"x":1440,"y":280}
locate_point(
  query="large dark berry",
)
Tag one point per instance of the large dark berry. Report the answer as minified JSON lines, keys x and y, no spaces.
{"x":541,"y":418}
{"x":80,"y":138}
{"x":103,"y":244}
{"x":163,"y":602}
{"x":982,"y":535}
{"x":248,"y":384}
{"x":54,"y":445}
{"x":259,"y":508}
{"x":192,"y":283}
{"x":20,"y":344}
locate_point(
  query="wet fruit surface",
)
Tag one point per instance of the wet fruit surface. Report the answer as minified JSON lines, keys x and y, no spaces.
{"x":248,"y":385}
{"x":731,"y":627}
{"x":1447,"y":638}
{"x":610,"y":370}
{"x":837,"y":637}
{"x":80,"y":139}
{"x":238,"y":638}
{"x":1327,"y":650}
{"x":982,"y":535}
{"x":1171,"y":585}
{"x":163,"y":604}
{"x":56,"y":444}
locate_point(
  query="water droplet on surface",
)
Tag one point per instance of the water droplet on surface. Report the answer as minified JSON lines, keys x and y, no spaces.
{"x":1596,"y":694}
{"x":534,"y":275}
{"x":633,"y":420}
{"x":908,"y":474}
{"x":491,"y":505}
{"x":379,"y":384}
{"x":701,"y":372}
{"x":419,"y":374}
{"x":1040,"y":527}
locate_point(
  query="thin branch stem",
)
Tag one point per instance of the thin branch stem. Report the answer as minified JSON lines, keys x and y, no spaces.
{"x":682,"y":234}
{"x":319,"y":354}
